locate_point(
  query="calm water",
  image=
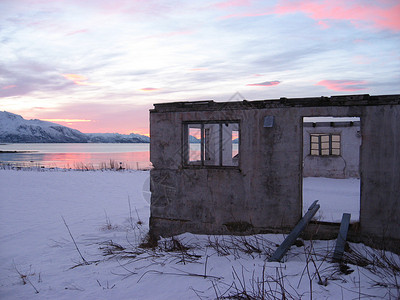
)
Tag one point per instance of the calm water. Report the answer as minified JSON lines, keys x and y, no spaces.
{"x":132,"y":156}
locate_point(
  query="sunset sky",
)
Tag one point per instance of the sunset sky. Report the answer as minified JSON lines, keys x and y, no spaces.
{"x":99,"y":65}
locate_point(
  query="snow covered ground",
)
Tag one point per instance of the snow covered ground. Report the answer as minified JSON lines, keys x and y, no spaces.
{"x":335,"y":196}
{"x":107,"y":214}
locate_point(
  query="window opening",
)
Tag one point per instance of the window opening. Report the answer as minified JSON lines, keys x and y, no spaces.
{"x":194,"y":131}
{"x":324,"y":144}
{"x":235,"y":145}
{"x":212,"y":143}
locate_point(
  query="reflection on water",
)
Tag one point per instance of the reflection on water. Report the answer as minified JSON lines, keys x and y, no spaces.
{"x":77,"y":147}
{"x":130,"y":156}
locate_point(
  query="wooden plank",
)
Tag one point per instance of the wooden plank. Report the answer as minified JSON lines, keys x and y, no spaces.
{"x":341,"y":239}
{"x":297,"y":230}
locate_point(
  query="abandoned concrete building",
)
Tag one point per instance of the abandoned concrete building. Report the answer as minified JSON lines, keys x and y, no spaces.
{"x":237,"y":167}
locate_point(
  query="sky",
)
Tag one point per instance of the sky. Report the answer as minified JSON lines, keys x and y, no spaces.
{"x":100,"y":65}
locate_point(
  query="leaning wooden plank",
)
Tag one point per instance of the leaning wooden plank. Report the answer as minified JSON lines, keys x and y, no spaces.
{"x":291,"y":238}
{"x":341,"y":239}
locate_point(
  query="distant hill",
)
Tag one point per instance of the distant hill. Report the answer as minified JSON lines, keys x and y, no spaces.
{"x":192,"y":139}
{"x":15,"y":129}
{"x":117,"y":138}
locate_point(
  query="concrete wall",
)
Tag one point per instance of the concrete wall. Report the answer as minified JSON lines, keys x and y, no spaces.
{"x":204,"y":199}
{"x":263,"y":194}
{"x":345,"y":165}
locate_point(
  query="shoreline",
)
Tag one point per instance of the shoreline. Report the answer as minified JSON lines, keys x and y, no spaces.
{"x":18,"y":151}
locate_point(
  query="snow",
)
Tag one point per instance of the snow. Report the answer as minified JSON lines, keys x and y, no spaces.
{"x":100,"y":207}
{"x":14,"y":128}
{"x":10,"y":121}
{"x":117,"y":138}
{"x":335,"y":196}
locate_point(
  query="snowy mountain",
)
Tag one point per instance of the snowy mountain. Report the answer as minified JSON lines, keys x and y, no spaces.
{"x":15,"y":129}
{"x":192,"y":139}
{"x":117,"y":138}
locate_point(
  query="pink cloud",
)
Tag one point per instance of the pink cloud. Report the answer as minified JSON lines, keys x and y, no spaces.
{"x":69,"y":121}
{"x":343,"y":85}
{"x":266,"y":83}
{"x":76,"y":78}
{"x":380,"y":14}
{"x":323,"y":24}
{"x":149,"y":89}
{"x":8,"y":87}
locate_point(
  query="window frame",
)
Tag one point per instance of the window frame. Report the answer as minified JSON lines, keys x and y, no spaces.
{"x":202,"y":163}
{"x":321,"y":144}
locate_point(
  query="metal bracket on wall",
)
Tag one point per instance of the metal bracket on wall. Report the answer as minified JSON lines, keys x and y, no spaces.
{"x":291,"y":238}
{"x":268,"y":121}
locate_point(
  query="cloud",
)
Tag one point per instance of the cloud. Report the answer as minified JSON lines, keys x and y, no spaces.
{"x":198,"y":69}
{"x":26,"y":76}
{"x":289,"y":59}
{"x":77,"y":32}
{"x":8,"y":87}
{"x":76,"y":78}
{"x":382,"y":14}
{"x":170,"y":34}
{"x":247,"y":15}
{"x":148,"y":8}
{"x":67,"y":120}
{"x":323,"y":24}
{"x":343,"y":85}
{"x":362,"y":60}
{"x":266,"y":83}
{"x":232,"y":3}
{"x":149,"y":89}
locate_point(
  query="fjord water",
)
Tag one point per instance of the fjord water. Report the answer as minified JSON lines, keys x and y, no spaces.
{"x":77,"y":155}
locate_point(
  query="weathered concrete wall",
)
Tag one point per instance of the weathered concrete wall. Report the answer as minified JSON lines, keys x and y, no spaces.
{"x":380,"y":172}
{"x":264,"y":192}
{"x":204,"y":199}
{"x":345,"y":165}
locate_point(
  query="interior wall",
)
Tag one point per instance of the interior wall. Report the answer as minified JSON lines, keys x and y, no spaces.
{"x":346,"y":165}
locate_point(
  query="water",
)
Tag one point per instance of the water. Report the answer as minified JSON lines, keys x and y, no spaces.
{"x":80,"y":155}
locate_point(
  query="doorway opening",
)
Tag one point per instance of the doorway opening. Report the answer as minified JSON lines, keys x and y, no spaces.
{"x":331,"y":166}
